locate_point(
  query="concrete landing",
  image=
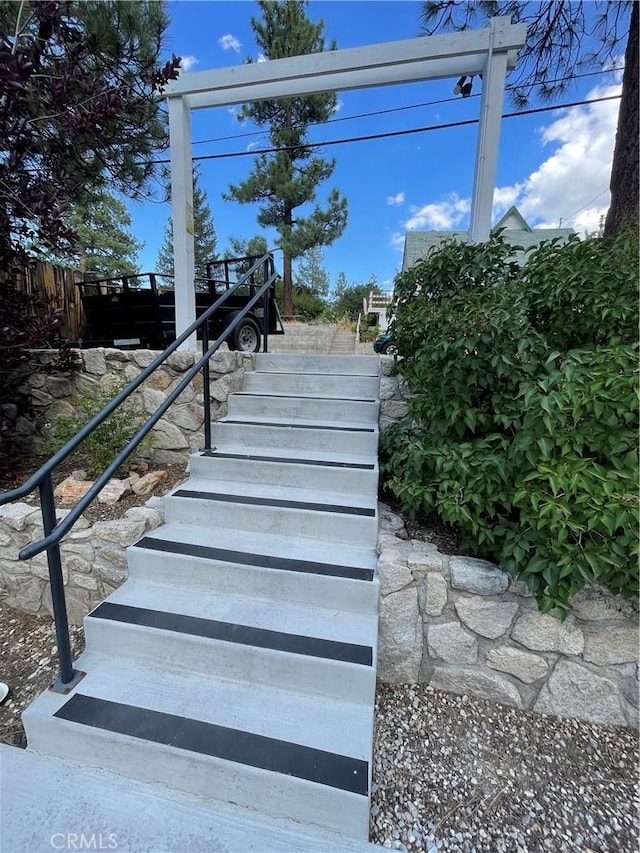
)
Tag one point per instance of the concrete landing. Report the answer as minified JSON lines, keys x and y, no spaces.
{"x":52,"y":804}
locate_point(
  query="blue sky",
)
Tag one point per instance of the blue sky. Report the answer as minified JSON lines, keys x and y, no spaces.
{"x":555,"y":166}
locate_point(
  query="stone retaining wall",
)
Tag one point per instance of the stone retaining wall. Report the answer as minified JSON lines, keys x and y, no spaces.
{"x":175,"y":436}
{"x":93,"y":557}
{"x":464,"y":626}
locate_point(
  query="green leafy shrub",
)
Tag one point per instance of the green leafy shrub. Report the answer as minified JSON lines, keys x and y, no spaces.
{"x":522,"y":424}
{"x":99,"y":449}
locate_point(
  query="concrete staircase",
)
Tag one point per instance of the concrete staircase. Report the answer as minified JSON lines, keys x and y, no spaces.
{"x":343,"y":343}
{"x":237,"y":662}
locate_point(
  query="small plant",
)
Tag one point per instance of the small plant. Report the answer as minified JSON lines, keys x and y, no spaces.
{"x":99,"y":449}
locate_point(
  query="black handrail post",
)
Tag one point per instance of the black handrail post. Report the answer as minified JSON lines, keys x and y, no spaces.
{"x":68,"y":676}
{"x":206,"y":397}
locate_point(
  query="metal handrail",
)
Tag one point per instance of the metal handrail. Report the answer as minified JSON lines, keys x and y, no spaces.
{"x":53,"y":530}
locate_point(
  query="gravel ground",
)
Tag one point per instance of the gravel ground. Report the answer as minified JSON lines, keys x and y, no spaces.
{"x":464,"y":774}
{"x":450,"y":772}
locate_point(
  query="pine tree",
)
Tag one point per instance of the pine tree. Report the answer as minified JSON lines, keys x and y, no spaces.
{"x":562,"y":39}
{"x":78,"y":111}
{"x":311,"y":275}
{"x":204,"y":234}
{"x":289,"y":178}
{"x":104,"y":247}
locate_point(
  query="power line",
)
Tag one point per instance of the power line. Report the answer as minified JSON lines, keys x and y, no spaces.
{"x":393,"y":133}
{"x":580,"y":209}
{"x":375,"y":113}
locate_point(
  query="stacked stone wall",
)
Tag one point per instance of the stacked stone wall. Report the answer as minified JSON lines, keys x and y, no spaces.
{"x":94,"y":562}
{"x":462,"y":625}
{"x":177,"y":434}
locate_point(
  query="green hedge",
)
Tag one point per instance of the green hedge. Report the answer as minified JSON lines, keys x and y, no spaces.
{"x":522,"y":427}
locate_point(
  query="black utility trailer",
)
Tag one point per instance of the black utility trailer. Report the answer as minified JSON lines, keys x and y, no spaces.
{"x":138,"y":311}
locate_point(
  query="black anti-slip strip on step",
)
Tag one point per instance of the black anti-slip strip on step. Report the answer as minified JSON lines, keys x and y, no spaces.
{"x":244,"y":635}
{"x":285,"y":459}
{"x":277,"y":756}
{"x":288,"y":425}
{"x":284,"y":395}
{"x":255,"y":501}
{"x":262,"y":561}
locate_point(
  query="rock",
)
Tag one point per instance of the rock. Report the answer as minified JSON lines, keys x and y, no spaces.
{"x":70,"y":491}
{"x":60,"y":409}
{"x":181,"y":361}
{"x":222,"y":386}
{"x":159,"y":380}
{"x":524,"y":665}
{"x":25,"y":593}
{"x":58,"y":386}
{"x":470,"y":681}
{"x":167,"y":436}
{"x":451,"y":643}
{"x":630,"y":692}
{"x":138,"y":466}
{"x":112,"y":354}
{"x":113,"y":491}
{"x":395,"y":410}
{"x":478,"y":576}
{"x":436,"y":594}
{"x":421,"y":562}
{"x":131,"y":479}
{"x":545,"y":633}
{"x":151,"y":517}
{"x":94,"y":362}
{"x":389,"y":521}
{"x":595,"y":603}
{"x":575,"y":691}
{"x":187,"y":416}
{"x":148,"y":482}
{"x":143,"y":357}
{"x":17,"y":515}
{"x":400,"y":637}
{"x":152,"y":399}
{"x":388,"y":387}
{"x":78,"y":603}
{"x":124,"y":531}
{"x":612,"y":644}
{"x":488,"y":618}
{"x":393,"y":575}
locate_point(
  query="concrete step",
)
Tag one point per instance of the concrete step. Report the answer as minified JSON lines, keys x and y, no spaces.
{"x":361,"y":365}
{"x":355,"y":475}
{"x":279,"y":752}
{"x":291,"y":513}
{"x":333,"y":386}
{"x":298,"y":570}
{"x":48,"y":801}
{"x":342,"y":438}
{"x":249,"y":406}
{"x":270,"y":567}
{"x":318,"y":650}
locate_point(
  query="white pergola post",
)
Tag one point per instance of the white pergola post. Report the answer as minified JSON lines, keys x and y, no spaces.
{"x":489,"y":52}
{"x":486,"y":167}
{"x":182,"y":216}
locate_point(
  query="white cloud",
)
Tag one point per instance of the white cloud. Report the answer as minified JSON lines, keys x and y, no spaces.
{"x":442,"y":215}
{"x":396,"y":199}
{"x":571,"y":185}
{"x":339,"y":105}
{"x":188,"y":62}
{"x":252,"y":145}
{"x":230,"y":42}
{"x":397,"y":240}
{"x":261,"y":58}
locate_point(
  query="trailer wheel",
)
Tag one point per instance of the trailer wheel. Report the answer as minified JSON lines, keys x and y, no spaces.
{"x":247,"y":336}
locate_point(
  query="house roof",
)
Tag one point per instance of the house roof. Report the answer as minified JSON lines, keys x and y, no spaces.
{"x":516,"y":231}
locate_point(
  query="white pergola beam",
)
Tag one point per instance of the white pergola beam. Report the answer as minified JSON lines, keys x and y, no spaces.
{"x":490,"y":52}
{"x":336,"y":70}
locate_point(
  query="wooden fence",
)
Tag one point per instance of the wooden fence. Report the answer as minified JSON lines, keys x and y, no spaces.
{"x":46,"y":282}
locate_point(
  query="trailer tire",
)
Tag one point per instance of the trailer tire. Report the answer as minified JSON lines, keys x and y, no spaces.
{"x":247,"y":336}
